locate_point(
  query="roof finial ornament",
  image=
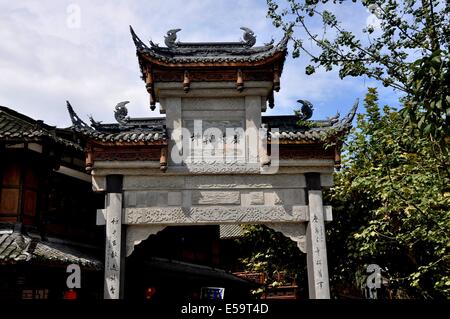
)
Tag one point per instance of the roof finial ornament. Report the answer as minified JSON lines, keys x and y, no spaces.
{"x":333,"y":119}
{"x":76,"y":121}
{"x":349,"y":117}
{"x":137,"y":42}
{"x":249,"y":37}
{"x":270,"y":43}
{"x":306,"y":111}
{"x":95,"y":124}
{"x":171,"y":37}
{"x":121,"y":112}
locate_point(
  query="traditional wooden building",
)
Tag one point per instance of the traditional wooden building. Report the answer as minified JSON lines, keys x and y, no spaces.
{"x":47,"y":211}
{"x":214,"y":159}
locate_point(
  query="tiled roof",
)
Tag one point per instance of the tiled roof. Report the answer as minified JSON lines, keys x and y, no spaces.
{"x":16,"y":127}
{"x":230,"y":231}
{"x":148,"y":131}
{"x":209,"y":52}
{"x":289,"y":130}
{"x":153,"y":130}
{"x":174,"y":268}
{"x":17,"y":247}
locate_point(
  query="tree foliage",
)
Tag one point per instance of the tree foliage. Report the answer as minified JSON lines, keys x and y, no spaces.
{"x":391,"y":199}
{"x":392,"y":205}
{"x":272,"y":254}
{"x":408,"y":50}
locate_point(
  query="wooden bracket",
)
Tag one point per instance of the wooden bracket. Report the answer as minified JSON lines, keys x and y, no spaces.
{"x":276,"y":78}
{"x":337,"y":157}
{"x":89,"y":154}
{"x":150,"y":88}
{"x":149,"y":81}
{"x":163,"y":159}
{"x":186,"y":82}
{"x":152,"y":102}
{"x":271,"y":100}
{"x":240,"y":81}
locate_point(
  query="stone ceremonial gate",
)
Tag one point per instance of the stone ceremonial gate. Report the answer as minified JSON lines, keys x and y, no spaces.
{"x":213,"y":159}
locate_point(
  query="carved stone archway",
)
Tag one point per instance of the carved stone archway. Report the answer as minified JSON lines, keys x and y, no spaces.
{"x":236,"y":167}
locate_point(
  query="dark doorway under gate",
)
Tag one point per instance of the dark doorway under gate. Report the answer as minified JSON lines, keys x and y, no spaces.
{"x":177,"y":263}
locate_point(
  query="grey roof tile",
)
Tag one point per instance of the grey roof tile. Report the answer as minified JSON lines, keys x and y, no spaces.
{"x":151,"y":130}
{"x":16,"y":246}
{"x":16,"y":127}
{"x":230,"y":231}
{"x":209,"y":52}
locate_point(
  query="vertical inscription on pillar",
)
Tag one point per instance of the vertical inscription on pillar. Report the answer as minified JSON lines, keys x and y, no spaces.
{"x":317,"y":252}
{"x":113,"y":245}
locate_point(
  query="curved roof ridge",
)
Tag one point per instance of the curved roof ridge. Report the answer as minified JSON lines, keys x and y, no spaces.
{"x":188,"y":52}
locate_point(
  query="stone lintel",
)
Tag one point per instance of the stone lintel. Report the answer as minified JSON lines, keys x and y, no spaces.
{"x":198,"y":170}
{"x":214,"y":215}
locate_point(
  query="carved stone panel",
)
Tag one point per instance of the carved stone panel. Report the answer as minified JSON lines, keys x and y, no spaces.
{"x":152,"y":182}
{"x":216,"y":198}
{"x":147,"y":198}
{"x":215,"y":140}
{"x":174,"y":198}
{"x":243,"y":182}
{"x":256,"y":198}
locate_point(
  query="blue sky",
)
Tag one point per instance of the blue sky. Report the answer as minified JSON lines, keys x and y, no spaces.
{"x":46,"y":57}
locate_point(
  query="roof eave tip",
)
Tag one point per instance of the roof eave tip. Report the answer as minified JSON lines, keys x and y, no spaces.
{"x":352,"y":113}
{"x":137,"y":42}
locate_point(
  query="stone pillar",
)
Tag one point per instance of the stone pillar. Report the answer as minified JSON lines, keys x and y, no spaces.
{"x":173,"y":109}
{"x":114,"y":260}
{"x":252,"y":126}
{"x":318,"y":282}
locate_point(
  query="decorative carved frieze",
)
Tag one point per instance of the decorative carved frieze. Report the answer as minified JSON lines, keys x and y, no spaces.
{"x":211,"y":75}
{"x":211,"y":182}
{"x":127,"y":154}
{"x":214,"y":215}
{"x":218,"y":168}
{"x":305,"y":151}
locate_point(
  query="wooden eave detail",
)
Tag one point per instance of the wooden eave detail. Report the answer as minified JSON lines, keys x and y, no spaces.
{"x":124,"y":153}
{"x":265,"y":62}
{"x":97,"y":143}
{"x":294,"y":142}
